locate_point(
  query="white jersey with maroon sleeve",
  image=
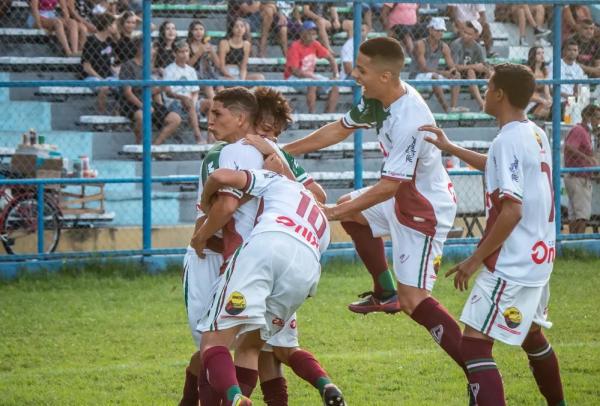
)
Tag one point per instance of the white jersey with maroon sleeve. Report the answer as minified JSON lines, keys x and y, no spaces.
{"x":425,"y":200}
{"x":519,"y":167}
{"x":288,"y":208}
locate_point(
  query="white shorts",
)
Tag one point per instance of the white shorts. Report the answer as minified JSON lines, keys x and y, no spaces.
{"x":504,"y":310}
{"x":416,"y":257}
{"x":266,"y":281}
{"x":199,"y":278}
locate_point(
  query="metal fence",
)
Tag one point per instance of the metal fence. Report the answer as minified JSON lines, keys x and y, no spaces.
{"x":91,"y":135}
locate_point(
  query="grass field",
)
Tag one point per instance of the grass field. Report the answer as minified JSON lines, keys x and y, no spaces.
{"x":118,"y":336}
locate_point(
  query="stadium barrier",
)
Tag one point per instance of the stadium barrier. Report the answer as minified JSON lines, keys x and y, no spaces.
{"x":146,"y":194}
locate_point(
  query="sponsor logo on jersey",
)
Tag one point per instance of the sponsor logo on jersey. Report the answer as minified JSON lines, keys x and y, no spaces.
{"x":437,"y":262}
{"x":543,"y":252}
{"x":514,"y":169}
{"x":300,"y":230}
{"x":512,"y":317}
{"x":411,"y":150}
{"x":236,"y":303}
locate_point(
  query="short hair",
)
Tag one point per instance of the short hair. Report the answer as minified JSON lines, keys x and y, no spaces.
{"x":238,"y":98}
{"x":589,"y":111}
{"x":180,"y":44}
{"x":516,"y":81}
{"x":137,"y":42}
{"x":586,"y":21}
{"x":273,"y":102}
{"x":103,"y":21}
{"x":569,"y":42}
{"x":384,"y":50}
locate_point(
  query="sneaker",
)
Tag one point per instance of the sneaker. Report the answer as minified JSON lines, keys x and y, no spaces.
{"x":523,"y":42}
{"x":241,"y":400}
{"x":492,"y":54}
{"x":332,"y":396}
{"x":543,"y":42}
{"x":541,"y":32}
{"x":369,"y":304}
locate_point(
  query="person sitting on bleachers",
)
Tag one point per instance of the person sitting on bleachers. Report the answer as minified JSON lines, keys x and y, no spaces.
{"x":326,"y":17}
{"x":400,"y":20}
{"x":124,"y":48}
{"x":569,"y":69}
{"x":98,"y":59}
{"x":469,"y":57}
{"x":184,"y":100}
{"x":203,"y":56}
{"x":234,"y":53}
{"x":427,"y":55}
{"x":461,"y":13}
{"x":521,"y":15}
{"x":572,"y":14}
{"x":167,"y":34}
{"x":131,"y":99}
{"x":540,"y":104}
{"x":81,"y":14}
{"x":70,"y":34}
{"x":589,"y":48}
{"x":301,"y":62}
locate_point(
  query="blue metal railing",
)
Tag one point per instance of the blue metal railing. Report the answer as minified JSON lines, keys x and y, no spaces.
{"x":147,"y":83}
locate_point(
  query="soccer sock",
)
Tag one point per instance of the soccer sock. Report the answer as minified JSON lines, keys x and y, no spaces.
{"x":190,"y":389}
{"x":372,"y":252}
{"x":442,"y":327}
{"x":221,"y":372}
{"x":247,"y":379}
{"x":544,"y":366}
{"x":304,"y":364}
{"x":275,"y":392}
{"x":206,"y":394}
{"x":484,"y":378}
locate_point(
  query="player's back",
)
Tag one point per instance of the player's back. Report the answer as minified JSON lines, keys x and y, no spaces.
{"x":519,"y":167}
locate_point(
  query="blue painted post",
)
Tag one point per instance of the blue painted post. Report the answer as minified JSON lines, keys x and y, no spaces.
{"x":40,"y":219}
{"x":147,"y":131}
{"x":556,"y":118}
{"x":358,"y":153}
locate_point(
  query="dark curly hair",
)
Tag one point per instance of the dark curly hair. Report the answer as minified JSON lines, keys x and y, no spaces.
{"x":271,"y":102}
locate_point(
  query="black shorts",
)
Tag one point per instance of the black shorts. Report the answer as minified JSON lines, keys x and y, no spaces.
{"x":159,"y":114}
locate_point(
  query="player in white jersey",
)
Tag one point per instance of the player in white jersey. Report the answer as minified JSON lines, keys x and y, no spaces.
{"x":413,"y":202}
{"x":510,"y":297}
{"x":263,"y":287}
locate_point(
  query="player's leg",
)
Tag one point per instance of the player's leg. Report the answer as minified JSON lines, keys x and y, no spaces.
{"x":366,"y":230}
{"x":272,"y":382}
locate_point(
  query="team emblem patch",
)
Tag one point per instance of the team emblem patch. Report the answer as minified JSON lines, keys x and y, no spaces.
{"x":437,"y":332}
{"x":512,"y":317}
{"x":437,"y":262}
{"x":235,"y":304}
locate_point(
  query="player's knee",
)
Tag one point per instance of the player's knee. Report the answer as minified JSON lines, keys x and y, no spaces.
{"x":283,"y":354}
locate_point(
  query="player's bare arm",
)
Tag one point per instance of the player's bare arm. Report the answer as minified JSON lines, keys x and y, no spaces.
{"x":509,"y":217}
{"x":220,"y":213}
{"x":325,"y":136}
{"x":318,"y":192}
{"x":441,"y":140}
{"x":379,"y":192}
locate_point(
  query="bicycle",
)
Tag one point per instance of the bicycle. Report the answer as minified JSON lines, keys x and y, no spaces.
{"x":19,"y":217}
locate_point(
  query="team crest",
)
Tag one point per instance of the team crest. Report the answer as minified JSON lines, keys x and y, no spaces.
{"x":512,"y":317}
{"x":437,"y":262}
{"x":437,"y":332}
{"x":235,"y":304}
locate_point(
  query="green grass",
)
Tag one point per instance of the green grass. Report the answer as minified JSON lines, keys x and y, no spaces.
{"x":119,"y":336}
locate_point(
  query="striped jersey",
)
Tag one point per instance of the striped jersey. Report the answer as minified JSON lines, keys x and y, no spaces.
{"x":519,"y":167}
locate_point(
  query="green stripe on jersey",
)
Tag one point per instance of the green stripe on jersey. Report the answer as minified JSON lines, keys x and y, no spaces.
{"x":487,"y":319}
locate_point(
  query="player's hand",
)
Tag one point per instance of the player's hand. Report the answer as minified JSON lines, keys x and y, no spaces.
{"x":463,"y":272}
{"x":260,"y":143}
{"x":329,"y":211}
{"x":273,"y":163}
{"x":198,"y":245}
{"x":441,"y":139}
{"x":206,"y":202}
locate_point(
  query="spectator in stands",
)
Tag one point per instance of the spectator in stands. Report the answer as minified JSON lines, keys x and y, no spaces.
{"x":301,"y":63}
{"x":124,"y":48}
{"x":369,"y":8}
{"x":569,"y":69}
{"x":427,"y":53}
{"x":234,"y":53}
{"x":571,"y":16}
{"x":469,"y":57}
{"x":98,"y":59}
{"x":82,"y":18}
{"x":540,"y":104}
{"x":70,"y":34}
{"x":347,"y":53}
{"x":185,"y":100}
{"x":521,"y":15}
{"x":4,"y":7}
{"x":579,"y":153}
{"x":167,"y":34}
{"x":203,"y":56}
{"x":589,"y":48}
{"x":400,"y":20}
{"x":460,"y":14}
{"x":131,"y":99}
{"x":326,"y":17}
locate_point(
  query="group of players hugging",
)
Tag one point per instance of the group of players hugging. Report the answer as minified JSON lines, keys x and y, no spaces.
{"x":262,"y":227}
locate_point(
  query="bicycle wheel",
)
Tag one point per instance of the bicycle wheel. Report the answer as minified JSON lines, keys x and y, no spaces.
{"x":18,"y":231}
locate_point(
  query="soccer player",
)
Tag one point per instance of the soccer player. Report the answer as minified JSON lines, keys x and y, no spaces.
{"x":413,"y":202}
{"x":509,"y":300}
{"x":263,"y":287}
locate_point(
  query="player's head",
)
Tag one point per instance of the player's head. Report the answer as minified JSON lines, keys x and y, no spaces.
{"x":274,"y":112}
{"x":232,"y":113}
{"x":510,"y":87}
{"x":378,"y":66}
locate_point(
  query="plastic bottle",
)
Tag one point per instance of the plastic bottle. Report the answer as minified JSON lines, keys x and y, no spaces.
{"x":568,"y":110}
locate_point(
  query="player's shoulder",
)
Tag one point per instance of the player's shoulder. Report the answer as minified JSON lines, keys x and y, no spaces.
{"x":239,"y":148}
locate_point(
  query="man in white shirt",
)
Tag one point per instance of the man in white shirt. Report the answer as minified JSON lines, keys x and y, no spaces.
{"x":569,"y":69}
{"x":347,"y":52}
{"x":509,"y":301}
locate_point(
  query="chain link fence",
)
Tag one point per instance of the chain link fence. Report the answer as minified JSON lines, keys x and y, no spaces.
{"x":96,"y":131}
